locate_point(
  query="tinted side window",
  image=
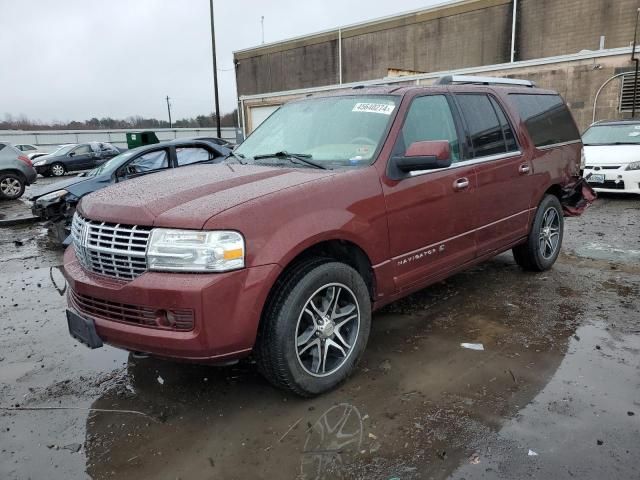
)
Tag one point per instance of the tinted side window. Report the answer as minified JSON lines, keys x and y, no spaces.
{"x":509,"y":138}
{"x":483,"y":125}
{"x":428,"y":118}
{"x":547,"y":118}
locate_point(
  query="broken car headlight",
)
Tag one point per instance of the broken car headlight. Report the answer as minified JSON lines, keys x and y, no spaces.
{"x":52,"y":196}
{"x":195,"y":250}
{"x":633,"y":166}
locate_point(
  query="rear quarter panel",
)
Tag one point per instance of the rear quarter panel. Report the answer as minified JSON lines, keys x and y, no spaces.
{"x":551,"y":166}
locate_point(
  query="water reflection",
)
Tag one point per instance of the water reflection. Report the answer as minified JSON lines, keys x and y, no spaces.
{"x":415,"y":408}
{"x":331,"y":441}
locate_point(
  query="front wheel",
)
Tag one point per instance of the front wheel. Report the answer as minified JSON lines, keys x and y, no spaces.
{"x":315,"y":328}
{"x":542,"y":247}
{"x":57,"y":169}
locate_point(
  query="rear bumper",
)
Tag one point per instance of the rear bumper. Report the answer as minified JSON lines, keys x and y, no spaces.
{"x":226,"y":309}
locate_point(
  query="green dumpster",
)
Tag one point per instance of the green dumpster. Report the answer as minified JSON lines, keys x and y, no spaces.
{"x":138,"y":139}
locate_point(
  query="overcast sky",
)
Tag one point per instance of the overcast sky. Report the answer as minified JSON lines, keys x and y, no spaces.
{"x":76,"y":59}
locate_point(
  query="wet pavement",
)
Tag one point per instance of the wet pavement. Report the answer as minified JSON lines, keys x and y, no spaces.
{"x":555,"y":392}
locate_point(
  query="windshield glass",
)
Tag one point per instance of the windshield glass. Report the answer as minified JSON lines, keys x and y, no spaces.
{"x":612,"y":134}
{"x":331,"y":131}
{"x":63,"y":149}
{"x":112,"y":165}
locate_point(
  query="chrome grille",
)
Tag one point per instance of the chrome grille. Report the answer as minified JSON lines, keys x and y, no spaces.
{"x":110,"y":249}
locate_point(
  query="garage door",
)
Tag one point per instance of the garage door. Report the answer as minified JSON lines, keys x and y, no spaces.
{"x":260,"y":114}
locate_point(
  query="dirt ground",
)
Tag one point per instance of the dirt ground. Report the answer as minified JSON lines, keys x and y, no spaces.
{"x":554,"y":394}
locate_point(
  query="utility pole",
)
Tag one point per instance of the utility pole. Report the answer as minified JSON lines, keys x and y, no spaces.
{"x":169,"y":110}
{"x":215,"y":70}
{"x":262,"y":25}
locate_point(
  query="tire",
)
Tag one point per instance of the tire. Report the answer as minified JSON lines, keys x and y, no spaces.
{"x":542,"y":247}
{"x":57,"y":169}
{"x":11,"y":186}
{"x":292,"y":341}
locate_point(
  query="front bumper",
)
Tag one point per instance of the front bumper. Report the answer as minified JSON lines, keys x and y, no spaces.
{"x":616,"y":180}
{"x":226,"y":309}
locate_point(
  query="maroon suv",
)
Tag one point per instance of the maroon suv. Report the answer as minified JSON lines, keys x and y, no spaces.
{"x":332,"y":208}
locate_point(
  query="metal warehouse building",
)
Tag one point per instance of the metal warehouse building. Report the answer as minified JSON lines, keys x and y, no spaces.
{"x":573,"y":46}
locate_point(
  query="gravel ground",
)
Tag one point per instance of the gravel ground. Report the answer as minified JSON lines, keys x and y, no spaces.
{"x":554,"y":394}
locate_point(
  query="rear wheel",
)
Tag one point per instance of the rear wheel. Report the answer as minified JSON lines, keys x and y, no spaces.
{"x":315,"y":327}
{"x":11,"y":186}
{"x":57,"y":169}
{"x":542,"y":247}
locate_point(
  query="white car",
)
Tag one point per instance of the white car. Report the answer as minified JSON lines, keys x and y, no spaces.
{"x":31,"y":151}
{"x":612,"y":156}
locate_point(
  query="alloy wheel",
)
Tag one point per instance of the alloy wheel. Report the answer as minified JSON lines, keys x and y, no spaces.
{"x":57,"y":170}
{"x":10,"y":187}
{"x":327,"y":329}
{"x":549,"y":237}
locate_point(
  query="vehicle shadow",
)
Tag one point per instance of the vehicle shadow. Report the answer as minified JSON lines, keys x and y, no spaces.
{"x":418,"y":405}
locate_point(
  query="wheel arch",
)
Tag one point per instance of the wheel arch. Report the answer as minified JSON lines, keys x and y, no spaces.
{"x":338,"y":249}
{"x":16,"y":172}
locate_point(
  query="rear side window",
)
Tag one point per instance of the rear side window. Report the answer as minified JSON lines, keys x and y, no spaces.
{"x":547,"y":118}
{"x":1,"y":146}
{"x":507,"y":131}
{"x":483,"y":124}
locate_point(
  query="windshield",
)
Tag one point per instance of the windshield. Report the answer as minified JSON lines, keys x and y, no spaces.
{"x":612,"y":135}
{"x":63,"y":150}
{"x":332,"y":131}
{"x":112,"y":165}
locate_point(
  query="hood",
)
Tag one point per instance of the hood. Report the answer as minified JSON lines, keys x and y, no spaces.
{"x":52,"y":187}
{"x":189,"y":196}
{"x":47,"y":158}
{"x":611,"y":154}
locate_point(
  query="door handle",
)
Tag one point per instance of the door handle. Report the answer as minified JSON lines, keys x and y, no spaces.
{"x":524,"y":168}
{"x":461,"y":184}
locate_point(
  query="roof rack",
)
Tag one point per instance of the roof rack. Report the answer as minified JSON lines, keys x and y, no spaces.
{"x":451,"y":79}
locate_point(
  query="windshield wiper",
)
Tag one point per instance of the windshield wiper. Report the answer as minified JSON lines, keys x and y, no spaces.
{"x":239,"y":158}
{"x":301,"y":157}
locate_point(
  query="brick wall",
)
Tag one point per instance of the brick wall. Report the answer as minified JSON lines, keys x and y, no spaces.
{"x":556,"y":27}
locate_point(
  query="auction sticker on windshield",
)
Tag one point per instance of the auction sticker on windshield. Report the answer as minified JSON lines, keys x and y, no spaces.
{"x":383,"y":108}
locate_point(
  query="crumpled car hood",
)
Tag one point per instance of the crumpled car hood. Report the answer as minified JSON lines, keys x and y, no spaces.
{"x":187,"y":197}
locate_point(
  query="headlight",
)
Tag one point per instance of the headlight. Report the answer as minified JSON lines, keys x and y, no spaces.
{"x":39,"y":163}
{"x":52,"y":196}
{"x":633,"y":166}
{"x":195,"y":251}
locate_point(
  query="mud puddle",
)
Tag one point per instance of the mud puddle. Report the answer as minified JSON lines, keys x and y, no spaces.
{"x":558,"y":373}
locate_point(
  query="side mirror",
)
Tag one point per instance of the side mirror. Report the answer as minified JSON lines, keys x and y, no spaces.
{"x":72,"y":154}
{"x":428,"y":155}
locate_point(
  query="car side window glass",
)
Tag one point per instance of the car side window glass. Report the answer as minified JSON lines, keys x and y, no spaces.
{"x":429,"y":119}
{"x":547,"y":118}
{"x":189,"y":155}
{"x":482,"y":124}
{"x":509,"y":138}
{"x":148,"y":162}
{"x":82,"y":150}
